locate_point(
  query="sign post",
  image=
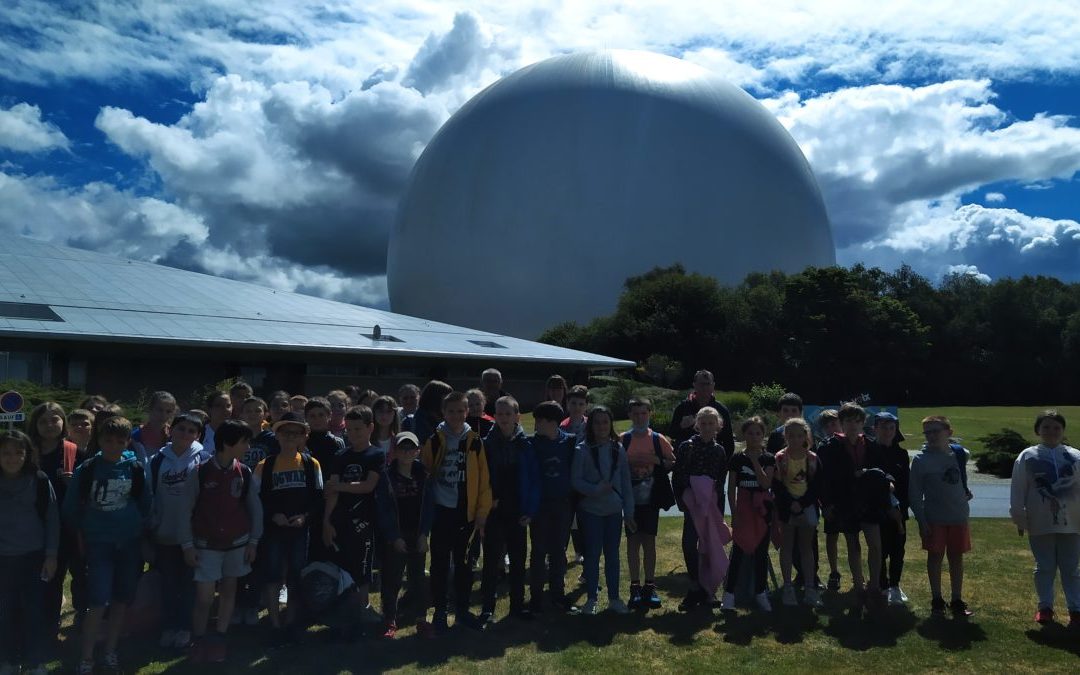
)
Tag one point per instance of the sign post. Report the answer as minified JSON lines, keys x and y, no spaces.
{"x":11,"y":403}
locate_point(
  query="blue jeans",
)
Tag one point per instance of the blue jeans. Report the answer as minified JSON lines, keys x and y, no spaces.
{"x":1055,"y":552}
{"x":601,"y":533}
{"x":22,"y":610}
{"x":177,"y":587}
{"x":112,"y":572}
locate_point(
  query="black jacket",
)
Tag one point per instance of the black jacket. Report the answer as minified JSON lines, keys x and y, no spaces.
{"x":895,"y":463}
{"x":690,"y":407}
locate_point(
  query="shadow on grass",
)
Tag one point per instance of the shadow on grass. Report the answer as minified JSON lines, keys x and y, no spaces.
{"x":1056,"y":636}
{"x":858,"y":629}
{"x":952,"y":634}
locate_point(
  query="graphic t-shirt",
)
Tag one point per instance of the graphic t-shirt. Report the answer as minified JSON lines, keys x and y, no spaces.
{"x":744,"y":470}
{"x":795,"y":478}
{"x":288,"y":489}
{"x":264,"y":444}
{"x":356,"y":510}
{"x":450,"y":478}
{"x":406,"y":491}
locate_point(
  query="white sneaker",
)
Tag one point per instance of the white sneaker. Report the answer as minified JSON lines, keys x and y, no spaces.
{"x":812,"y":597}
{"x":728,"y":602}
{"x":618,"y":606}
{"x":369,"y":615}
{"x":168,"y":639}
{"x":183,"y":639}
{"x":251,"y":617}
{"x":903,"y":595}
{"x":591,"y":608}
{"x":788,"y":597}
{"x":283,"y":595}
{"x":763,"y":603}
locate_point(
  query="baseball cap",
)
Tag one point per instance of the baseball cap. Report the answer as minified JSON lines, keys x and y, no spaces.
{"x":290,"y":418}
{"x":406,"y":436}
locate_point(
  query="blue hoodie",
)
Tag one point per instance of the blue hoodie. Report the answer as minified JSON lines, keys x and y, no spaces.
{"x":513,"y":471}
{"x":110,"y":515}
{"x":553,"y":458}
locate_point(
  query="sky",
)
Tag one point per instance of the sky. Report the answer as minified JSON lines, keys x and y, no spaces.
{"x":270,"y":141}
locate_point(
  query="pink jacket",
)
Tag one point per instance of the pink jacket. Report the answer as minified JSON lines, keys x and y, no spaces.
{"x":713,"y":532}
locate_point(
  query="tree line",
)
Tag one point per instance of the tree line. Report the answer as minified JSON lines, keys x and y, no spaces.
{"x":835,"y":333}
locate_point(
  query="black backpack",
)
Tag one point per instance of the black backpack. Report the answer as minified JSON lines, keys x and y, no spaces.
{"x":662,"y":495}
{"x":267,"y":483}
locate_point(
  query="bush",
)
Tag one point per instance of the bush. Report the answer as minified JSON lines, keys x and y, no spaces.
{"x":765,"y":398}
{"x":999,"y":452}
{"x":662,"y":370}
{"x":737,"y":402}
{"x":69,"y":399}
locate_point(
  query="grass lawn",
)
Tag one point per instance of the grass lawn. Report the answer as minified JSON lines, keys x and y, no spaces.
{"x":970,"y":423}
{"x":1001,"y":636}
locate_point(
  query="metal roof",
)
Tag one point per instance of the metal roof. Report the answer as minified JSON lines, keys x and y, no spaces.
{"x":104,"y":298}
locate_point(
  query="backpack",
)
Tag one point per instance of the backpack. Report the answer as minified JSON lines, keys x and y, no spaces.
{"x":86,"y":480}
{"x":41,"y":500}
{"x":782,"y":465}
{"x":436,"y":444}
{"x":268,"y":476}
{"x":961,"y":462}
{"x":660,"y":494}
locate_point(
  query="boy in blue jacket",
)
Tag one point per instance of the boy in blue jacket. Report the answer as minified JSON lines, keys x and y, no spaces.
{"x":107,"y":507}
{"x":514,"y":490}
{"x":553,"y":513}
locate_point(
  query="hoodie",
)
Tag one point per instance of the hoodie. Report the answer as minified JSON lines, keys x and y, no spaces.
{"x":169,"y":499}
{"x":513,"y":471}
{"x":111,"y":514}
{"x":553,"y":458}
{"x":594,"y":465}
{"x":1045,"y":495}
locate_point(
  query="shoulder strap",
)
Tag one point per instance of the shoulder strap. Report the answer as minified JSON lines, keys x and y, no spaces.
{"x":309,"y":472}
{"x":245,"y":474}
{"x":86,"y":479}
{"x":656,"y":446}
{"x":961,"y":463}
{"x":781,"y":464}
{"x":41,"y":501}
{"x":138,"y":480}
{"x":155,"y":470}
{"x":267,"y":477}
{"x":626,"y":438}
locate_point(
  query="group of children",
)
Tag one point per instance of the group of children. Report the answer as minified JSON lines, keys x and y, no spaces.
{"x":251,"y":503}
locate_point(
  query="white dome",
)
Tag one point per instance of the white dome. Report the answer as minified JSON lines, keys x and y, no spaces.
{"x":542,"y":194}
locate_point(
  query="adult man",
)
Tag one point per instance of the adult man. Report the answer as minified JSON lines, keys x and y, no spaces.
{"x":682,"y":420}
{"x":491,"y":384}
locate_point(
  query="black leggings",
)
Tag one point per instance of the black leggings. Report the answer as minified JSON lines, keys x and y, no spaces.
{"x":760,"y":562}
{"x":893,"y":541}
{"x":690,"y":549}
{"x":395,"y":563}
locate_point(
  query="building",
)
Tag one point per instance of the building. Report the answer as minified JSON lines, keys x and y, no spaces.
{"x":575,"y":173}
{"x":90,"y":321}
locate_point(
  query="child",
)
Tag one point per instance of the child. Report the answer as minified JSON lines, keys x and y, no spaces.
{"x":298,"y":403}
{"x":460,"y":492}
{"x":514,"y":495}
{"x":290,"y":487}
{"x":796,"y":487}
{"x":29,"y":541}
{"x":789,"y":407}
{"x":324,"y":447}
{"x":238,"y":393}
{"x":702,"y":456}
{"x":829,"y":425}
{"x":601,"y":474}
{"x":219,"y":408}
{"x":219,"y":534}
{"x":843,"y":458}
{"x":886,"y":454}
{"x":1045,"y":503}
{"x":348,"y":528}
{"x":577,"y":402}
{"x":650,"y":457}
{"x":279,"y":405}
{"x":107,"y":505}
{"x":750,"y":474}
{"x":387,"y":425}
{"x":939,"y":502}
{"x":555,"y":389}
{"x":428,"y":413}
{"x":253,"y":412}
{"x":80,"y":426}
{"x":405,"y":526}
{"x":477,"y":418}
{"x":549,"y":524}
{"x":57,"y":459}
{"x":166,"y":477}
{"x":367,"y":397}
{"x":154,"y":433}
{"x":339,"y":403}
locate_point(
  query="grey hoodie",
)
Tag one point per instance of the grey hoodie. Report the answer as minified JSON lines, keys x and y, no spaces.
{"x":21,"y":528}
{"x":169,"y":496}
{"x":586,"y":479}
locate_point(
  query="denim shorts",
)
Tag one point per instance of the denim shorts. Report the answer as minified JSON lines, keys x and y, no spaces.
{"x":282,"y":555}
{"x":112,"y":571}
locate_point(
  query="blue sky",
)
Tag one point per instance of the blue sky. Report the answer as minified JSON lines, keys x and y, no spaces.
{"x":270,"y":141}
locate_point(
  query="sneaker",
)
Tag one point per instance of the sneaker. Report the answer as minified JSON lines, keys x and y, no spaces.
{"x":485,"y":621}
{"x":938,"y":607}
{"x":439,"y":625}
{"x":762,"y":600}
{"x":85,"y":668}
{"x":283,"y":595}
{"x":591,"y":608}
{"x":834,"y":581}
{"x":467,"y":619}
{"x":893,"y":595}
{"x":216,"y":649}
{"x":168,"y":639}
{"x":278,"y":637}
{"x":111,"y":663}
{"x":635,"y":597}
{"x":522,"y":614}
{"x":197,"y":651}
{"x":728,"y":603}
{"x":183,"y":639}
{"x":903,"y":595}
{"x":649,"y":597}
{"x":694,"y":599}
{"x":959,"y":608}
{"x":1074,"y":620}
{"x":617,"y":606}
{"x":35,"y":670}
{"x":390,"y":630}
{"x":369,"y":615}
{"x":251,"y":617}
{"x":788,"y":596}
{"x":812,"y":598}
{"x":1044,"y":616}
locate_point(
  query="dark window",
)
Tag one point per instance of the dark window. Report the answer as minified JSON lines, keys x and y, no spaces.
{"x":488,"y":343}
{"x":28,"y":310}
{"x":382,"y":337}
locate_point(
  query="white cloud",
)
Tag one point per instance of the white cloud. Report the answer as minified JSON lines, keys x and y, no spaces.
{"x":969,"y":270}
{"x":994,"y":197}
{"x":23,"y":130}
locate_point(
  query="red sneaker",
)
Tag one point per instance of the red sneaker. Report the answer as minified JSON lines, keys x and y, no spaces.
{"x":390,"y":630}
{"x":1044,"y":616}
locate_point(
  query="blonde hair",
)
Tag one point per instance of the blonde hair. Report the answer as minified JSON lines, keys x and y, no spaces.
{"x":802,"y":424}
{"x":709,"y":411}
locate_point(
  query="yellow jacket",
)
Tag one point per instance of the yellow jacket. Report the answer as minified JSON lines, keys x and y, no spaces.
{"x":477,"y":480}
